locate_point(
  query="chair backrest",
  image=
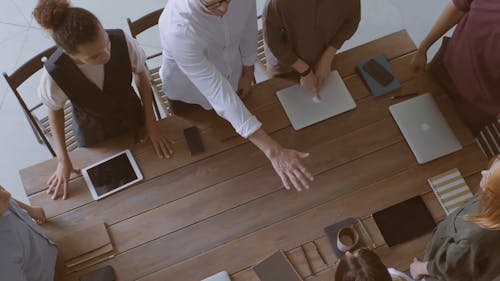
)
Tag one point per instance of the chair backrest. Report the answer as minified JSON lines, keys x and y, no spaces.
{"x":136,"y":27}
{"x":17,"y":78}
{"x":144,"y":22}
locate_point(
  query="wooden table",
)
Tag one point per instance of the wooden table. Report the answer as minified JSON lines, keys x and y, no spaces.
{"x":226,"y":209}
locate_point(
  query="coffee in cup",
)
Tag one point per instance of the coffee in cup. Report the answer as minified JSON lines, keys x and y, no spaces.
{"x":347,"y":238}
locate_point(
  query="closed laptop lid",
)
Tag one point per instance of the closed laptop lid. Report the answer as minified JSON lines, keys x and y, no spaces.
{"x":221,"y":276}
{"x":424,"y":128}
{"x":302,"y":111}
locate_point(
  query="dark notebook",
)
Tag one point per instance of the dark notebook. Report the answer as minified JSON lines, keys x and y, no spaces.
{"x":404,"y":221}
{"x":276,"y":268}
{"x":103,"y":274}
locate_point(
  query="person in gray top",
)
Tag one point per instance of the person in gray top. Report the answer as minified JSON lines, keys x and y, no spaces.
{"x":466,"y":245}
{"x":26,"y":253}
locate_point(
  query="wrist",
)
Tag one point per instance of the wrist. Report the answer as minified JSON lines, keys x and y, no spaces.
{"x":64,"y":160}
{"x":424,"y":269}
{"x":306,"y":72}
{"x":423,"y":47}
{"x":329,"y":54}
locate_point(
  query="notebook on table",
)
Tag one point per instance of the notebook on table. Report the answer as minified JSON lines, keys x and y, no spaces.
{"x":302,"y":111}
{"x":424,"y":128}
{"x":404,"y":221}
{"x":377,"y":87}
{"x":451,"y":190}
{"x":277,"y":267}
{"x":83,"y":248}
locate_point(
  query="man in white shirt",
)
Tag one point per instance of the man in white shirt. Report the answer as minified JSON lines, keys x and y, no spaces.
{"x":209,"y":49}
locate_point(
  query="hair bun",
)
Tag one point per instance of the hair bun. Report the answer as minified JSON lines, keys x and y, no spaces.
{"x":50,"y":13}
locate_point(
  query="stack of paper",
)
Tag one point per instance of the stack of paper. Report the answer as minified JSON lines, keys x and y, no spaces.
{"x":451,"y":190}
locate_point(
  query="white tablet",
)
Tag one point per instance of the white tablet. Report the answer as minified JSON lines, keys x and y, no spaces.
{"x":112,"y":174}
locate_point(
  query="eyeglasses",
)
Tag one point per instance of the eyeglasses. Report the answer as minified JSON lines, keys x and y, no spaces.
{"x":214,"y":5}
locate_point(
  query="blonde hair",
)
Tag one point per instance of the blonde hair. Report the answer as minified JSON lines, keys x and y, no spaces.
{"x":489,"y":206}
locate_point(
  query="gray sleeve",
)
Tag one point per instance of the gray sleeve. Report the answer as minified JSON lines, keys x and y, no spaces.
{"x":455,"y":260}
{"x":10,"y":258}
{"x":12,"y":271}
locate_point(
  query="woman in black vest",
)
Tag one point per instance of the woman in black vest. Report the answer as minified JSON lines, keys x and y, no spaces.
{"x":93,"y":68}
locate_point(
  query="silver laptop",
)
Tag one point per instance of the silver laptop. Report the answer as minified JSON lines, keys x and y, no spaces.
{"x":221,"y":276}
{"x":424,"y":128}
{"x":302,"y":111}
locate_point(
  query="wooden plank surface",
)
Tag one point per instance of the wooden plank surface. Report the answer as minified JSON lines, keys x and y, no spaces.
{"x":393,"y":45}
{"x":309,"y":224}
{"x":226,"y":209}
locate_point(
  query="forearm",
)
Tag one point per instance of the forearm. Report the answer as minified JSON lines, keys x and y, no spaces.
{"x":264,"y":142}
{"x":300,"y":66}
{"x":23,"y":206}
{"x":248,"y":70}
{"x":56,"y":120}
{"x":329,"y":54}
{"x":448,"y":18}
{"x":142,"y":82}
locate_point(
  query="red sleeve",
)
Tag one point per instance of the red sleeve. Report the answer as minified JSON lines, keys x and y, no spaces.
{"x":463,"y":5}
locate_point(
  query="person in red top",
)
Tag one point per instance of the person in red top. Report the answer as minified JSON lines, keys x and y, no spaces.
{"x":468,"y":63}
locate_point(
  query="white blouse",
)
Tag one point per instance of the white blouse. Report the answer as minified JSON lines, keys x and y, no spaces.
{"x":55,"y":99}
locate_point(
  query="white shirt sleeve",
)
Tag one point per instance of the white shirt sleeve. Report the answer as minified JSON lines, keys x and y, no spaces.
{"x":248,"y":43}
{"x":136,"y":53}
{"x":50,"y":93}
{"x":190,"y":58}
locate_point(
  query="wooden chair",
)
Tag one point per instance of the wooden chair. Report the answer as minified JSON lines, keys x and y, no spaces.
{"x":136,"y":27}
{"x":39,"y":125}
{"x":261,"y":57}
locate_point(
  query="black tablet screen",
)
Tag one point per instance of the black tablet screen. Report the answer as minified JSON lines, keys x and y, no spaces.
{"x":112,"y":174}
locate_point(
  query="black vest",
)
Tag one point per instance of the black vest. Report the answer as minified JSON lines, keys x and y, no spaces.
{"x":100,"y":114}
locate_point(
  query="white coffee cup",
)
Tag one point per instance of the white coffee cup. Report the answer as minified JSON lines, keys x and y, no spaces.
{"x":347,"y":238}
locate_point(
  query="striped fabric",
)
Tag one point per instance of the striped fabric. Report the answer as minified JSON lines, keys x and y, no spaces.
{"x":488,"y":139}
{"x":451,"y":190}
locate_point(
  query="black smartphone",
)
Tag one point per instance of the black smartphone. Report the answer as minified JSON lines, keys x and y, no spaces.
{"x":378,"y":72}
{"x":102,"y":274}
{"x":193,"y":140}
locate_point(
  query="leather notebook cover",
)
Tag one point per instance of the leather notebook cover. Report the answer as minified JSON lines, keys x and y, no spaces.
{"x":404,"y":221}
{"x":276,"y":268}
{"x":108,"y":249}
{"x":91,"y":262}
{"x":83,"y":242}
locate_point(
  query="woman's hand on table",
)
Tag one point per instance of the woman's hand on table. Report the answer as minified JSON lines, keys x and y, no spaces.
{"x":418,"y":269}
{"x":161,"y":144}
{"x":38,"y":214}
{"x":59,"y":181}
{"x":310,"y":82}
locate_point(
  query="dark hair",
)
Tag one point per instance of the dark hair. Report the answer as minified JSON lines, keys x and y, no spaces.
{"x":362,"y":265}
{"x":69,"y":26}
